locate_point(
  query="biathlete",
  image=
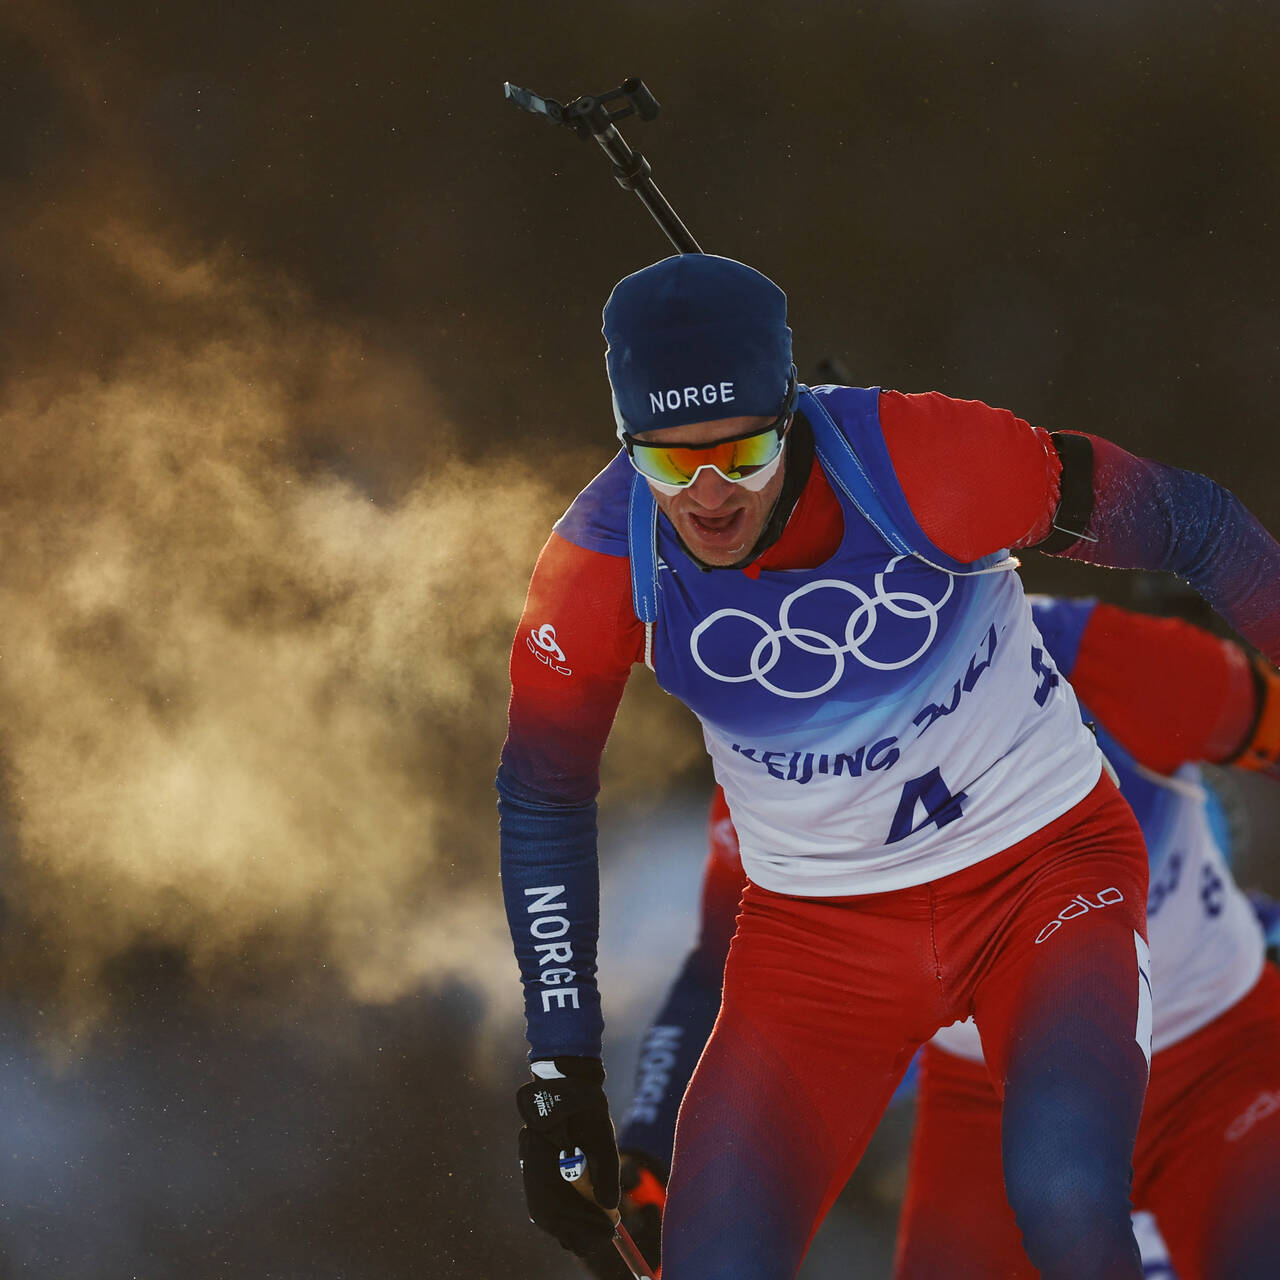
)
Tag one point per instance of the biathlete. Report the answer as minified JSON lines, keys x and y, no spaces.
{"x":1208,"y":1150}
{"x":1207,"y":1162}
{"x":823,"y":576}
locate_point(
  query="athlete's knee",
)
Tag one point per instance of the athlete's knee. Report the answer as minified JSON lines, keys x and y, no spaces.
{"x":1062,"y":1197}
{"x":1067,"y":1147}
{"x":721,"y":1243}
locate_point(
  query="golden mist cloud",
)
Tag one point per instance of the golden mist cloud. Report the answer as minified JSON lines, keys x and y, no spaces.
{"x":237,"y":695}
{"x":247,"y":711}
{"x":241,"y":701}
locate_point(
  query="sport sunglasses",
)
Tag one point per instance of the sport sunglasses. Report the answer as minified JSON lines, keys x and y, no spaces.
{"x":750,"y":459}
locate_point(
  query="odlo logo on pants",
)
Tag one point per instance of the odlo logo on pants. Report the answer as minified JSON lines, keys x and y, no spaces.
{"x":1077,"y":907}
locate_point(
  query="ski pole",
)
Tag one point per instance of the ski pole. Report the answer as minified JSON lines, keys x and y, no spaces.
{"x":591,"y":117}
{"x":630,"y":1254}
{"x":573,"y":1169}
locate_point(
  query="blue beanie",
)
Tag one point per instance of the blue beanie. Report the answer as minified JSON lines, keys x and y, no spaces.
{"x":693,"y":338}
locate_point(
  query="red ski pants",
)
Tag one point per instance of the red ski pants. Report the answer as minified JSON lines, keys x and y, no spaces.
{"x":826,"y":1000}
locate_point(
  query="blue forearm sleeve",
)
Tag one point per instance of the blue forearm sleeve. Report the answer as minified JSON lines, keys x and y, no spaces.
{"x":1147,"y":515}
{"x":1221,"y":549}
{"x":551,"y":887}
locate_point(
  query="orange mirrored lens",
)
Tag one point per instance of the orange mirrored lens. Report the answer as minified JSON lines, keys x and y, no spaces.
{"x":734,"y":459}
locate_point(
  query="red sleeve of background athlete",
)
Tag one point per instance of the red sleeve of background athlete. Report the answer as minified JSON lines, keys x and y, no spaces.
{"x":574,"y":648}
{"x":1167,"y":691}
{"x":976,"y":478}
{"x":723,"y":881}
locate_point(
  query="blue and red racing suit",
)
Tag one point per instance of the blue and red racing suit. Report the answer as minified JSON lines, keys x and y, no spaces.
{"x":891,"y":732}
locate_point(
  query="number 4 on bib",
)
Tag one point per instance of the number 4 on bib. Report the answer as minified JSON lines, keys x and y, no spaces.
{"x":940,"y":805}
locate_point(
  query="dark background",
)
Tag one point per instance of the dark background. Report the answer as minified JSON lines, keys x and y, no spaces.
{"x":284,"y":282}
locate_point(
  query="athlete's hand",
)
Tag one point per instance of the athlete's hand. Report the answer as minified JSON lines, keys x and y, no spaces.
{"x":563,"y":1115}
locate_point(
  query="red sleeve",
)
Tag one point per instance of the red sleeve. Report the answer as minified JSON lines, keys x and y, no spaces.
{"x":574,"y":648}
{"x":1167,"y":691}
{"x":976,"y":478}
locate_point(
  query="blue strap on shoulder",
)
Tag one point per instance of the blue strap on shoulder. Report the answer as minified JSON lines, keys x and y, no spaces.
{"x":843,"y":465}
{"x":642,"y":539}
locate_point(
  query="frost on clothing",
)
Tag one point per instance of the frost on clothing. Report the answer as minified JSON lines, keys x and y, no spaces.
{"x":963,"y":468}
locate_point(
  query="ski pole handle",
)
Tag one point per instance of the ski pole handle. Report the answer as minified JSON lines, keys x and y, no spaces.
{"x":573,"y":1169}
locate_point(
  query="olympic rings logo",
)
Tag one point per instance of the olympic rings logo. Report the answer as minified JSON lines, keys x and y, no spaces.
{"x":858,"y":630}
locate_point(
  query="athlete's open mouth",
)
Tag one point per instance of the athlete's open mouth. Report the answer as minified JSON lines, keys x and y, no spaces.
{"x":718,"y":528}
{"x":715,"y":522}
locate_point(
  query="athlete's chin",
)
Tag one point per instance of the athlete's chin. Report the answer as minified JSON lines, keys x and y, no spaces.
{"x":716,"y":558}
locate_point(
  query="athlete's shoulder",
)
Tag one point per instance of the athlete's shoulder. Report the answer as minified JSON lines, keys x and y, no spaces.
{"x":968,"y":434}
{"x":597,"y":517}
{"x":579,"y":610}
{"x":926,"y":420}
{"x":977,"y":478}
{"x":576,"y":642}
{"x":1061,"y":622}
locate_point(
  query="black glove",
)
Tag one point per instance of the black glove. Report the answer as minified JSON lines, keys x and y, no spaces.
{"x":561,"y":1115}
{"x":644,"y":1196}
